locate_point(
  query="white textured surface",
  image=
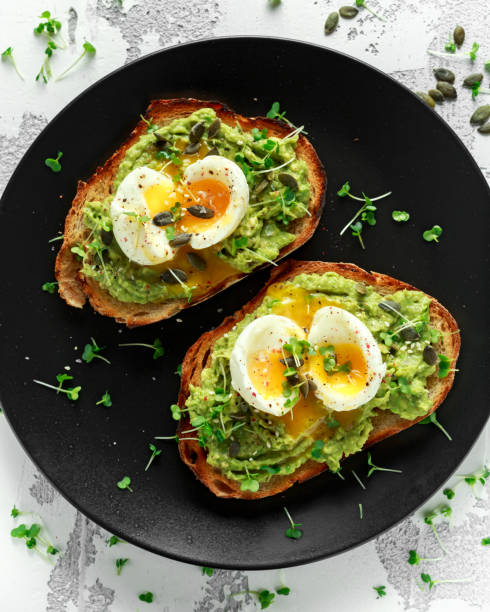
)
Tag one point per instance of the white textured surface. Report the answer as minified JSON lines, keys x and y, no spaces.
{"x":83,"y":577}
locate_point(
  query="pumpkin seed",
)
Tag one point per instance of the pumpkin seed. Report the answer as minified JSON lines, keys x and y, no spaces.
{"x":213,"y":151}
{"x":261,"y":186}
{"x":196,"y":132}
{"x":106,"y":237}
{"x":288,"y":181}
{"x":171,"y":275}
{"x":458,"y":35}
{"x":348,"y":12}
{"x":192,"y":147}
{"x":426,"y":98}
{"x":180,"y":239}
{"x":214,"y":128}
{"x":289,"y":362}
{"x":197,"y":261}
{"x":447,"y":90}
{"x":429,"y":355}
{"x":233,"y":449}
{"x":481,"y":114}
{"x":331,"y":23}
{"x":471,"y":79}
{"x":200,"y":211}
{"x":305,"y":387}
{"x":390,"y":306}
{"x":484,"y":129}
{"x":163,"y":218}
{"x":436,"y":95}
{"x":161,"y":144}
{"x":409,"y":333}
{"x":361,"y":288}
{"x":444,"y":74}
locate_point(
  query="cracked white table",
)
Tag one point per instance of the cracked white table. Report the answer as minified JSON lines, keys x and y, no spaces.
{"x":83,"y":577}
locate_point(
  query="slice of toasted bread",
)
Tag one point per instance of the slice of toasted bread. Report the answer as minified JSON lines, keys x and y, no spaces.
{"x":75,"y":288}
{"x":385,"y":422}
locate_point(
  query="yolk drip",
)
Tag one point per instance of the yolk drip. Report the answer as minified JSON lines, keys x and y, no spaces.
{"x":304,"y":416}
{"x":345,"y":383}
{"x":266,"y":372}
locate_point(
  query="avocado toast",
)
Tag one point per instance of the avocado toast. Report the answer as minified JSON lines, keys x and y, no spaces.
{"x":241,"y":452}
{"x":284,"y":183}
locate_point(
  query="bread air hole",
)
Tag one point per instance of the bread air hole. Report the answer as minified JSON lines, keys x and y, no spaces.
{"x":222,"y":487}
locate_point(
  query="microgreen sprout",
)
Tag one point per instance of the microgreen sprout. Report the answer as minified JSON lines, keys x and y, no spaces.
{"x":400,"y":215}
{"x":120,"y":563}
{"x":450,"y":48}
{"x":440,"y":511}
{"x":426,"y":579}
{"x":91,"y":351}
{"x":150,"y":125}
{"x":53,"y":163}
{"x":32,"y":537}
{"x":444,"y":366}
{"x":274,"y":3}
{"x":293,"y":532}
{"x":15,"y":512}
{"x":178,"y":370}
{"x":207,"y":571}
{"x":433,"y":233}
{"x":139,"y":218}
{"x":362,"y":4}
{"x":8,"y":55}
{"x":124,"y":483}
{"x":113,"y":540}
{"x":50,"y":28}
{"x":105,"y":400}
{"x":317,"y":447}
{"x":358,"y":480}
{"x":50,"y":287}
{"x":485,"y":542}
{"x":375,"y":468}
{"x":432,"y":418}
{"x":360,"y":511}
{"x":147,"y":597}
{"x":449,"y":493}
{"x":56,"y":238}
{"x":154,"y":453}
{"x":274,"y":113}
{"x":71,"y":392}
{"x":158,"y":350}
{"x":380,"y":590}
{"x":414,"y":559}
{"x":250,"y":483}
{"x":88,"y":49}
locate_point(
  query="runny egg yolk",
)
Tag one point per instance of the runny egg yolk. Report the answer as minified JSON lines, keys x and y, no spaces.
{"x":266,"y":372}
{"x":345,"y":383}
{"x":160,"y":198}
{"x":212,"y":194}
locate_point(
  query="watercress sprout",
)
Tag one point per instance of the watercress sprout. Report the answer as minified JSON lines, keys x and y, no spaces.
{"x":32,"y":536}
{"x":8,"y":55}
{"x":71,"y":392}
{"x":429,"y":520}
{"x":15,"y":512}
{"x":53,"y":163}
{"x":432,"y":418}
{"x":91,"y":351}
{"x":88,"y":49}
{"x":113,"y":540}
{"x":414,"y":559}
{"x":380,"y":590}
{"x":293,"y":532}
{"x":375,"y":468}
{"x":147,"y":597}
{"x":400,"y":215}
{"x":428,"y":580}
{"x":49,"y":287}
{"x":361,"y":3}
{"x":105,"y":400}
{"x":433,"y":233}
{"x":485,"y":542}
{"x":451,"y":52}
{"x":250,"y":483}
{"x":124,"y":484}
{"x":207,"y":571}
{"x":120,"y":563}
{"x":158,"y":350}
{"x":154,"y":453}
{"x":50,"y":28}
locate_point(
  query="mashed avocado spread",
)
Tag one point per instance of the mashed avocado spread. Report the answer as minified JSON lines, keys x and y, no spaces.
{"x":251,"y":446}
{"x":261,"y":234}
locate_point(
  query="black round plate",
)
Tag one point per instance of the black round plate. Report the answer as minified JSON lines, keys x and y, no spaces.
{"x":366,"y":128}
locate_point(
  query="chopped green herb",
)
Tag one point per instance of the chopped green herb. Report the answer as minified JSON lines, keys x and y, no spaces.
{"x":148,"y":597}
{"x":120,"y":563}
{"x":400,"y":215}
{"x":375,"y":468}
{"x":207,"y":571}
{"x":72,"y":392}
{"x":50,"y":287}
{"x":433,"y":419}
{"x":124,"y":484}
{"x":154,"y":453}
{"x":158,"y":350}
{"x":88,"y":49}
{"x":380,"y":590}
{"x":432,"y":234}
{"x":8,"y":55}
{"x":105,"y":400}
{"x":54,"y":163}
{"x":293,"y":532}
{"x":91,"y":351}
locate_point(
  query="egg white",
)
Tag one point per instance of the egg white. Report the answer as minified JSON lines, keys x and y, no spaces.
{"x":332,"y":325}
{"x":264,"y":334}
{"x":230,"y":174}
{"x":144,"y":243}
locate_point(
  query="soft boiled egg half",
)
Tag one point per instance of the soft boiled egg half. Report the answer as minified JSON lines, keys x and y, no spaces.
{"x":258,"y":361}
{"x":208,"y":203}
